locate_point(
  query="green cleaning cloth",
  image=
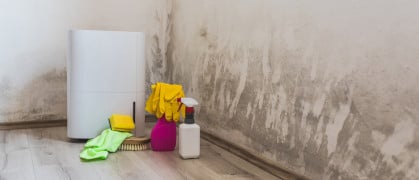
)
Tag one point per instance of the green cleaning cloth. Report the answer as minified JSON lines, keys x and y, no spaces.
{"x":99,"y":147}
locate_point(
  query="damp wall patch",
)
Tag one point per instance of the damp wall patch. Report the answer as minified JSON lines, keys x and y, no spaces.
{"x":327,"y":89}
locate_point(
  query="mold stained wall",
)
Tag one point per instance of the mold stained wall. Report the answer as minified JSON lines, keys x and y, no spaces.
{"x":328,"y":89}
{"x":33,"y":49}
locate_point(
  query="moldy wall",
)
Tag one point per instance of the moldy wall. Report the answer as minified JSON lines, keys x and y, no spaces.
{"x":325,"y":88}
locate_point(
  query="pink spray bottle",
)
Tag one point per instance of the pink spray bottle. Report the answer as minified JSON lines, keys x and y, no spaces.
{"x":163,"y":135}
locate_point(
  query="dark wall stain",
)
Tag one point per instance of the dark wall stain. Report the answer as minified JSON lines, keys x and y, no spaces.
{"x":301,"y":96}
{"x":44,"y":98}
{"x":293,"y":135}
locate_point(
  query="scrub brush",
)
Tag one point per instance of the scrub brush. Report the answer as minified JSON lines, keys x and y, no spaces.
{"x":135,"y":144}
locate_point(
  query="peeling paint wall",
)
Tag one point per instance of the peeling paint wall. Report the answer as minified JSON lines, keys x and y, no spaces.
{"x":328,"y":89}
{"x":33,"y":42}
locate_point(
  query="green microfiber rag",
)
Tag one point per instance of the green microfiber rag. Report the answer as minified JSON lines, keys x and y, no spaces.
{"x":99,"y":147}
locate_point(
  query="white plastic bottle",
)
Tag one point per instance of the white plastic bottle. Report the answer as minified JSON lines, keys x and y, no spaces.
{"x":189,"y":132}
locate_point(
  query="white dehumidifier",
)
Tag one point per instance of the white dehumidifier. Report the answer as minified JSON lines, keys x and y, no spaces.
{"x":105,"y":75}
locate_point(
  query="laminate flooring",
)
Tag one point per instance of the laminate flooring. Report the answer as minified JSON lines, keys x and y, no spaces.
{"x":46,"y":153}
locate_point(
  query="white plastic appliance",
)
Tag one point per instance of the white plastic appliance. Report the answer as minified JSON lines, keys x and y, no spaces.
{"x":105,"y":75}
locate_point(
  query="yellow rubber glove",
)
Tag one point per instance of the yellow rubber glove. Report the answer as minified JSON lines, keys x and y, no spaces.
{"x":150,"y":105}
{"x":163,"y":100}
{"x":175,"y":108}
{"x":169,"y":112}
{"x":180,"y":110}
{"x":153,"y":101}
{"x":172,"y":105}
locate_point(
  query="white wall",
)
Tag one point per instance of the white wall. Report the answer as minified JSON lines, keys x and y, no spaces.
{"x":33,"y":40}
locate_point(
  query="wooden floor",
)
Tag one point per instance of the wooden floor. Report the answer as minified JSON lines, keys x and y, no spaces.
{"x":46,"y":153}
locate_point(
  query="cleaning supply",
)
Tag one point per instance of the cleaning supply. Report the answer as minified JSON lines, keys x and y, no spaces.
{"x":189,"y":132}
{"x":135,"y":144}
{"x":119,"y":122}
{"x":163,"y":135}
{"x":99,"y":147}
{"x":163,"y":101}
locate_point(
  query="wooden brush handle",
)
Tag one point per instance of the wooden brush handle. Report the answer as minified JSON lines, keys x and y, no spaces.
{"x":136,"y":140}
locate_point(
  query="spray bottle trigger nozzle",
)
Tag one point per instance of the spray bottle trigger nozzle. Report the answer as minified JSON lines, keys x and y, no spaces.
{"x":189,"y":102}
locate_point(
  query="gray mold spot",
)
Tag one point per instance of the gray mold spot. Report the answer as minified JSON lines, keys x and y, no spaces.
{"x":44,"y":98}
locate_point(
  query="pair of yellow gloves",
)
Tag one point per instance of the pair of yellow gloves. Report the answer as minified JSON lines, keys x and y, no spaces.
{"x":163,"y":101}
